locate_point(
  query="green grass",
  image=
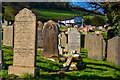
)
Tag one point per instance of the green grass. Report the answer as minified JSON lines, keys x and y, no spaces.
{"x":9,"y":12}
{"x":48,"y":13}
{"x":95,"y":69}
{"x":60,"y":28}
{"x":54,"y":14}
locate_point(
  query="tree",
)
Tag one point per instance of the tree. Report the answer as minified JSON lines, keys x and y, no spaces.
{"x":111,"y":10}
{"x":98,"y":21}
{"x":112,"y":14}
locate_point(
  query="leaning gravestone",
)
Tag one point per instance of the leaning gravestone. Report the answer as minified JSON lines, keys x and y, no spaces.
{"x":113,"y":50}
{"x":8,"y":35}
{"x":74,"y":40}
{"x":94,"y":45}
{"x":24,"y":60}
{"x":50,"y":40}
{"x":40,"y":35}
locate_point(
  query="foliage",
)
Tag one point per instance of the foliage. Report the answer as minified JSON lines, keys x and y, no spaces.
{"x":111,"y":33}
{"x":105,"y":35}
{"x":98,"y":21}
{"x":9,"y":13}
{"x":112,"y":11}
{"x":87,"y":21}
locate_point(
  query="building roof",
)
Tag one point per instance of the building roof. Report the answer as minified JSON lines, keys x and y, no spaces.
{"x":69,"y":18}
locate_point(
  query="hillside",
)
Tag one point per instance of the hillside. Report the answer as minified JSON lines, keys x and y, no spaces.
{"x":44,"y":14}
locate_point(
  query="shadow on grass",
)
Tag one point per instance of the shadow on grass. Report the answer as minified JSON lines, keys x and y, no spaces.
{"x":97,"y":68}
{"x":103,"y":65}
{"x":70,"y":77}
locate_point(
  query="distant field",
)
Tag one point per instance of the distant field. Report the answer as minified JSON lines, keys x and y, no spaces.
{"x":54,"y":14}
{"x":48,"y":13}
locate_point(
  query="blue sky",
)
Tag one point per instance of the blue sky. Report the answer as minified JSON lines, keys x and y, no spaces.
{"x":85,"y":5}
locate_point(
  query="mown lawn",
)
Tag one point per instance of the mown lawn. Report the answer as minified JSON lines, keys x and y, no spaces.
{"x":54,"y":14}
{"x":95,"y":69}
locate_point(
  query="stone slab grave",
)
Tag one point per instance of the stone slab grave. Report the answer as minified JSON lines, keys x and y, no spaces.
{"x":25,"y":44}
{"x":50,"y":40}
{"x":113,"y":50}
{"x":40,"y":35}
{"x":94,"y":45}
{"x":8,"y":35}
{"x":74,"y":40}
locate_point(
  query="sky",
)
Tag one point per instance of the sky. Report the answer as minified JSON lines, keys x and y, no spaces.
{"x":85,"y":5}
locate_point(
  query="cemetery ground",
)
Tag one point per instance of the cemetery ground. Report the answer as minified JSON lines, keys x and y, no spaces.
{"x":95,"y":69}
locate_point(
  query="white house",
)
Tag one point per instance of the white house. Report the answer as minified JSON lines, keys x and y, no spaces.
{"x":74,"y":20}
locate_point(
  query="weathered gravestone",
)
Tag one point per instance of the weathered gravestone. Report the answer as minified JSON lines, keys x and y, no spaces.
{"x":74,"y":40}
{"x":40,"y":35}
{"x":1,"y":58}
{"x":50,"y":40}
{"x":8,"y":35}
{"x":113,"y":50}
{"x":94,"y":45}
{"x":25,"y":44}
{"x":63,"y":39}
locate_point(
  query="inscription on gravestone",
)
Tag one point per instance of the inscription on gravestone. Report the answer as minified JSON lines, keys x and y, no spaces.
{"x":24,"y":59}
{"x":74,"y":40}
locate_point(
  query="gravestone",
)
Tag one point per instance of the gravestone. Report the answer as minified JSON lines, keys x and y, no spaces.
{"x":40,"y":35}
{"x":113,"y":50}
{"x":1,"y":58}
{"x":94,"y":45}
{"x":6,"y":23}
{"x":50,"y":40}
{"x":8,"y":36}
{"x":63,"y":39}
{"x":74,"y":40}
{"x":25,"y":44}
{"x":60,"y":50}
{"x":104,"y":48}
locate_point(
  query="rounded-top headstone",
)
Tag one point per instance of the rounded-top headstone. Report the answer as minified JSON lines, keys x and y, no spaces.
{"x":50,"y":44}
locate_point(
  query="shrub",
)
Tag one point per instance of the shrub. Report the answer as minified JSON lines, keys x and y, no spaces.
{"x":98,"y":21}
